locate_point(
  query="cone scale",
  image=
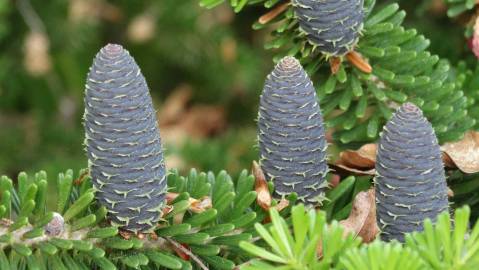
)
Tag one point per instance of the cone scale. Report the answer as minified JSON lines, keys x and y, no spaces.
{"x":332,"y":26}
{"x":410,"y":179}
{"x":123,"y":141}
{"x":291,"y":134}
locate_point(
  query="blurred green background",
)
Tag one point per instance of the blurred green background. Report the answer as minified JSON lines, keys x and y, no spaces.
{"x":205,"y":70}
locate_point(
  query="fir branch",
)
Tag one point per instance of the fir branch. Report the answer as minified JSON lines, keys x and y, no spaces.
{"x":356,"y":103}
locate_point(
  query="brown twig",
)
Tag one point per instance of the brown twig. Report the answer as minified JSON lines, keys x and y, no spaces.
{"x":266,"y":18}
{"x":187,"y":252}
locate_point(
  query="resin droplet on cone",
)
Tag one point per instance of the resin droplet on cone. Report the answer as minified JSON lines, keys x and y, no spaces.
{"x":123,"y":141}
{"x":291,"y":134}
{"x":410,"y":180}
{"x":333,"y":26}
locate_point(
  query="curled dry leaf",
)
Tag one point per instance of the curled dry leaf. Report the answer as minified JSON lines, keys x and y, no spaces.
{"x":362,"y":219}
{"x":361,"y":161}
{"x":463,"y":154}
{"x":364,"y":157}
{"x":261,"y":187}
{"x":342,"y":168}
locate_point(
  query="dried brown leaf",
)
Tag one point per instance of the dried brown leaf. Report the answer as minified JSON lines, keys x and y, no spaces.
{"x":261,"y":187}
{"x":342,"y":169}
{"x":359,"y":162}
{"x":463,"y":154}
{"x":364,"y":157}
{"x":362,"y":219}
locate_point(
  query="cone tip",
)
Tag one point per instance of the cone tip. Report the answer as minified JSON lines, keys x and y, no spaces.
{"x":289,"y":62}
{"x":411,"y":108}
{"x":112,"y":49}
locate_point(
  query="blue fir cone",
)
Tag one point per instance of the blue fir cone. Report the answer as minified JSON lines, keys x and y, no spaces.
{"x":410,"y":179}
{"x":332,"y":26}
{"x":291,"y":133}
{"x":123,"y":141}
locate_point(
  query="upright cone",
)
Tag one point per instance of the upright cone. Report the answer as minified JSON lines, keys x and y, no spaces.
{"x":291,"y":134}
{"x":410,"y":180}
{"x":333,"y":26}
{"x":123,"y":141}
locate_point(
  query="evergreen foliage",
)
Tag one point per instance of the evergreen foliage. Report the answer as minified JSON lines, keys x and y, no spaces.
{"x":457,"y":7}
{"x":285,"y":246}
{"x":402,"y":71}
{"x":88,"y":241}
{"x":297,"y":249}
{"x":127,"y":212}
